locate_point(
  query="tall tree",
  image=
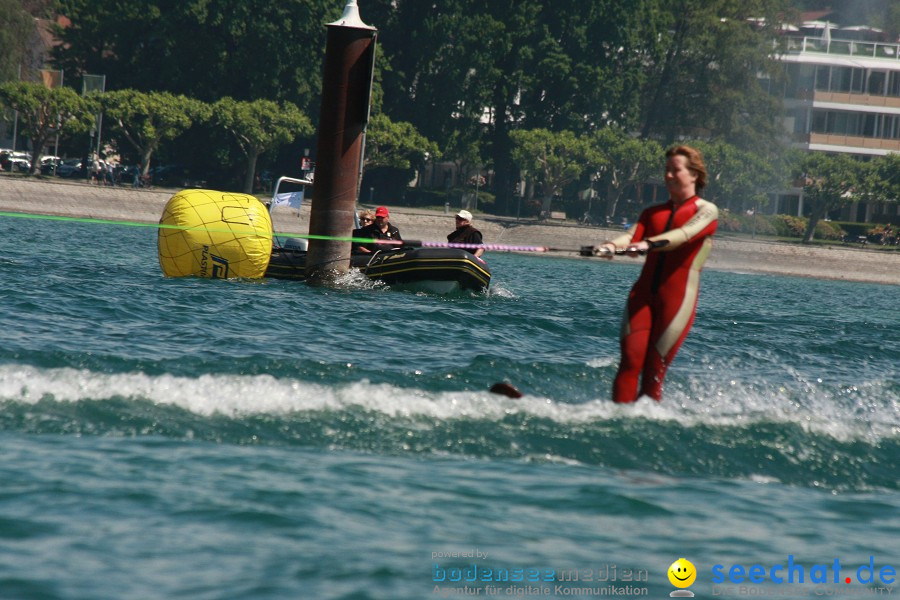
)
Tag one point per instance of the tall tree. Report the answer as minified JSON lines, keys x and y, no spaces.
{"x":708,"y":81}
{"x":830,"y":181}
{"x":147,"y":120}
{"x":206,"y":49}
{"x":432,"y":60}
{"x":396,"y":145}
{"x":627,"y":161}
{"x":882,"y":182}
{"x":553,"y":159}
{"x":45,"y":112}
{"x":17,"y":29}
{"x":467,"y":73}
{"x":739,"y":179}
{"x":260,"y":126}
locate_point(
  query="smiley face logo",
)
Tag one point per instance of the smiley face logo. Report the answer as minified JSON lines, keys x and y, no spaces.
{"x":682,"y":573}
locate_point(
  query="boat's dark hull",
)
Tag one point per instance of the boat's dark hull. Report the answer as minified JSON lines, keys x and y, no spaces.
{"x":438,"y":269}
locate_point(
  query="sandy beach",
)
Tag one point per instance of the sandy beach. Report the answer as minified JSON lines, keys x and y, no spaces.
{"x":730,"y":252}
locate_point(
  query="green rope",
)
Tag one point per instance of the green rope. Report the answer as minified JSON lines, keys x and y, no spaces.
{"x":179,"y":227}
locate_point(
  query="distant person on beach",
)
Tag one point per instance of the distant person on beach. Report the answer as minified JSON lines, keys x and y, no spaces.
{"x":677,"y":238}
{"x":366,"y":218}
{"x":465,"y":233}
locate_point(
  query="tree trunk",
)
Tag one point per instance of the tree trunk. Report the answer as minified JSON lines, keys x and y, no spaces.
{"x":35,"y":159}
{"x":655,"y":110}
{"x":251,"y":172}
{"x":612,"y":201}
{"x":814,"y":219}
{"x":502,"y":152}
{"x":546,"y":204}
{"x":145,"y":160}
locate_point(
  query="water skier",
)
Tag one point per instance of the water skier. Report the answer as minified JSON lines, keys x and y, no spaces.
{"x":677,"y":238}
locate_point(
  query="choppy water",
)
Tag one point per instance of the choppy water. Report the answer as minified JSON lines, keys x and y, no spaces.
{"x":184,"y":438}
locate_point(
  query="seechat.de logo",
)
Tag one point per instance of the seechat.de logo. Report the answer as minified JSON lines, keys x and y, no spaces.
{"x":795,"y":572}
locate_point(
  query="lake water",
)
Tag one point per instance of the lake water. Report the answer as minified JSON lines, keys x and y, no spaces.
{"x":186,"y":438}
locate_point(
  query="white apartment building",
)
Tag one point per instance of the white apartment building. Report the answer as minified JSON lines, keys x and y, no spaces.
{"x":842,"y":95}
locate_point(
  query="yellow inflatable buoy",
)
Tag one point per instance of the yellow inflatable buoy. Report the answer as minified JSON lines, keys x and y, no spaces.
{"x":212,"y":234}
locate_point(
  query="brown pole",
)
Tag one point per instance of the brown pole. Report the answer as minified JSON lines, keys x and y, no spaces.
{"x":346,"y":89}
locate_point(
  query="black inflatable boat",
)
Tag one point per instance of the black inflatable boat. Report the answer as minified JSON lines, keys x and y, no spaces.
{"x":436,"y":270}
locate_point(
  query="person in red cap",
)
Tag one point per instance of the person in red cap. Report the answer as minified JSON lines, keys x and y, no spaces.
{"x":381,"y":229}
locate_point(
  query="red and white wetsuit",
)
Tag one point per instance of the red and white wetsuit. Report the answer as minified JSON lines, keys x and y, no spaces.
{"x":661,"y":305}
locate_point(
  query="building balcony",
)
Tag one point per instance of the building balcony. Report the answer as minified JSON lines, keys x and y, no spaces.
{"x":857,"y":99}
{"x":843,"y":48}
{"x":853,"y":144}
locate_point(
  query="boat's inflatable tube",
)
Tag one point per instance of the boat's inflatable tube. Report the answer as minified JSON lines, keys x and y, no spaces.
{"x":217,"y":235}
{"x":438,"y":270}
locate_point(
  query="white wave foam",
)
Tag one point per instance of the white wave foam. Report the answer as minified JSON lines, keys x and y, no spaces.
{"x":603,"y":361}
{"x":873,"y":415}
{"x":498,"y":291}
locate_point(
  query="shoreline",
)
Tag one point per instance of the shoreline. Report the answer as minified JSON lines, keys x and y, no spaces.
{"x":731,"y":253}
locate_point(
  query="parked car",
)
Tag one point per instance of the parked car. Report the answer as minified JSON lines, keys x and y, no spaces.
{"x":70,"y":168}
{"x":47,"y":164}
{"x":14,"y":161}
{"x":175,"y":176}
{"x":126,"y":175}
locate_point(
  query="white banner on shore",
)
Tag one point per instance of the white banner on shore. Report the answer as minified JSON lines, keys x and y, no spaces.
{"x":292,"y":199}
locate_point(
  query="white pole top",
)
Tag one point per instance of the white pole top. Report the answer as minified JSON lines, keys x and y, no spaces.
{"x":350,"y":18}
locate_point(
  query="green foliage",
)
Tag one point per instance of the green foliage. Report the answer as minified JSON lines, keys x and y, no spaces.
{"x":881,"y":181}
{"x":829,"y":182}
{"x":531,"y":64}
{"x":797,"y":227}
{"x":624,"y":161}
{"x":789,"y":225}
{"x":44,"y":112}
{"x":147,"y":119}
{"x":259,"y":126}
{"x":17,"y":29}
{"x":738,"y":179}
{"x":244,"y":49}
{"x":785,"y":226}
{"x":854,"y":230}
{"x":553,"y":159}
{"x":744,"y":223}
{"x":829,"y":230}
{"x":396,"y":144}
{"x":704,"y":81}
{"x":462,"y":76}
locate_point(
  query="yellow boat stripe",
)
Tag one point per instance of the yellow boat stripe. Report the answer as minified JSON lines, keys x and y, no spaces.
{"x":381,"y":273}
{"x":467,"y":263}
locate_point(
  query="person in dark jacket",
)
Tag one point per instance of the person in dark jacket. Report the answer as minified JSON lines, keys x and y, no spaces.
{"x":381,"y":229}
{"x":366,"y":219}
{"x":465,"y":233}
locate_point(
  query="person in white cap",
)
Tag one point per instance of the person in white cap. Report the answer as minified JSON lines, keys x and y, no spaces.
{"x":465,"y":233}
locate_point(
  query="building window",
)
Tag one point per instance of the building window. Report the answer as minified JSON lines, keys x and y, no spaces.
{"x":819,"y":121}
{"x":798,"y":116}
{"x":841,"y":79}
{"x":823,"y":78}
{"x":876,"y":83}
{"x":847,"y":80}
{"x":891,"y":128}
{"x":894,"y":84}
{"x":801,"y":79}
{"x":869,"y":125}
{"x":858,"y":84}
